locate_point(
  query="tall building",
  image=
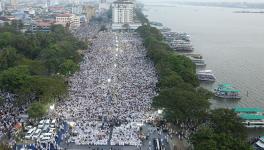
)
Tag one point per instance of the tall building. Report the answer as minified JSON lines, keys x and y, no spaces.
{"x":103,"y":6}
{"x":1,"y":7}
{"x":123,"y":12}
{"x":13,"y":4}
{"x":89,"y":12}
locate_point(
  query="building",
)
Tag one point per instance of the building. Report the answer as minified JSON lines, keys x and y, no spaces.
{"x":89,"y":12}
{"x":41,"y":26}
{"x":77,"y":9}
{"x":123,"y":12}
{"x":103,"y":6}
{"x":68,"y":20}
{"x":13,"y":4}
{"x":1,"y":7}
{"x":63,"y":19}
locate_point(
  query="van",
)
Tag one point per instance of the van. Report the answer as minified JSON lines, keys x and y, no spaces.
{"x":30,"y":133}
{"x":53,"y":123}
{"x":41,"y":124}
{"x":36,"y":134}
{"x":45,"y":139}
{"x":47,"y":122}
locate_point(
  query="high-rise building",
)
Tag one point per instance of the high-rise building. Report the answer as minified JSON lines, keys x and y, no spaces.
{"x":1,"y":7}
{"x":123,"y":12}
{"x":89,"y":12}
{"x":13,"y":3}
{"x":103,"y":6}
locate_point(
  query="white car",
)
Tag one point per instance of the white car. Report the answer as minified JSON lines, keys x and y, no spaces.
{"x":30,"y":133}
{"x":36,"y":134}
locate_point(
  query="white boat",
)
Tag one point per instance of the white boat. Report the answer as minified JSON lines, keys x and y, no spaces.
{"x":251,"y":117}
{"x":206,"y":75}
{"x":260,"y":143}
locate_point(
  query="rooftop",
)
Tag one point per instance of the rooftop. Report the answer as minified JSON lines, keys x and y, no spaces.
{"x":248,"y":110}
{"x":251,"y":117}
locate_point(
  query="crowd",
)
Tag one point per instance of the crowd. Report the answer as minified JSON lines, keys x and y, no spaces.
{"x":10,"y":120}
{"x":111,"y":92}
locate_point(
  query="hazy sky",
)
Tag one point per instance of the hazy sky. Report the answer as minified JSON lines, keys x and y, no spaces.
{"x":254,"y":1}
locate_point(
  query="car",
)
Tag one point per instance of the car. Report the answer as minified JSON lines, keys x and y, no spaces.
{"x":36,"y":134}
{"x":27,"y":128}
{"x":41,"y":124}
{"x":53,"y":123}
{"x":30,"y":133}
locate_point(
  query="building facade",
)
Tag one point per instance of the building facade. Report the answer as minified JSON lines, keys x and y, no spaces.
{"x":123,"y":12}
{"x":89,"y":12}
{"x":68,"y":20}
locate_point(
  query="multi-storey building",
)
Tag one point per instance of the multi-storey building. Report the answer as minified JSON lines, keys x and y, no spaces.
{"x":123,"y":15}
{"x":68,"y":20}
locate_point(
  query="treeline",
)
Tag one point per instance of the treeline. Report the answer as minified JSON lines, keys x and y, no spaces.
{"x":182,"y":100}
{"x":34,"y":66}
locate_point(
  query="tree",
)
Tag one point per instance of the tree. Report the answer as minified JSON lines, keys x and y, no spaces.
{"x":203,"y":139}
{"x":227,"y":121}
{"x":207,"y":138}
{"x":8,"y":58}
{"x":181,"y":104}
{"x":37,"y":110}
{"x":68,"y":67}
{"x":14,"y":78}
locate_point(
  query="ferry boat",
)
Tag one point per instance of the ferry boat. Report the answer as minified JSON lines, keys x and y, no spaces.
{"x":227,"y":91}
{"x":199,"y":62}
{"x":252,"y":117}
{"x":260,"y":143}
{"x":206,"y":75}
{"x":165,"y":29}
{"x":156,"y":23}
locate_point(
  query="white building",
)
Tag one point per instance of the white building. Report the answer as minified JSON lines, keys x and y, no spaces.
{"x":123,"y":15}
{"x":103,"y":6}
{"x":77,"y":9}
{"x":1,"y":6}
{"x":68,"y":20}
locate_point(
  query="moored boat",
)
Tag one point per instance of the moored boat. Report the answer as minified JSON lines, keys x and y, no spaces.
{"x":227,"y":91}
{"x":260,"y":143}
{"x":251,"y":117}
{"x":206,"y":75}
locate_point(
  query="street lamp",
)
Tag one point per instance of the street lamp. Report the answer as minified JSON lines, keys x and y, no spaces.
{"x":108,"y":80}
{"x":52,"y":107}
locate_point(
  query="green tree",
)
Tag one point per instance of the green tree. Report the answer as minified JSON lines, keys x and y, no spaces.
{"x":37,"y":110}
{"x":68,"y":67}
{"x":203,"y":139}
{"x":8,"y":58}
{"x":227,"y":121}
{"x":14,"y":78}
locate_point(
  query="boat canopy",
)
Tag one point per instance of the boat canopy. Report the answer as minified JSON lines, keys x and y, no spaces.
{"x":251,"y":117}
{"x":248,"y":110}
{"x":227,"y":88}
{"x":262,"y":138}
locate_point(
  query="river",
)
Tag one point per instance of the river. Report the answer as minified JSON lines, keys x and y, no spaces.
{"x":232,"y":45}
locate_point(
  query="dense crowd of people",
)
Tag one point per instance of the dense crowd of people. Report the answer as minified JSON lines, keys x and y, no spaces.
{"x":10,"y":120}
{"x":112,"y":91}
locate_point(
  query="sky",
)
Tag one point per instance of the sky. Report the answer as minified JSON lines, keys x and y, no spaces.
{"x":253,"y":1}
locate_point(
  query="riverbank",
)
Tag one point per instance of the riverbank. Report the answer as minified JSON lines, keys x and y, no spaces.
{"x":185,"y":106}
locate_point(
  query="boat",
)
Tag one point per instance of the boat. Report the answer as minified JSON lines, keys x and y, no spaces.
{"x":165,"y":29}
{"x":199,"y":62}
{"x":227,"y":91}
{"x":206,"y":75}
{"x":260,"y":143}
{"x":156,"y":23}
{"x":251,"y":117}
